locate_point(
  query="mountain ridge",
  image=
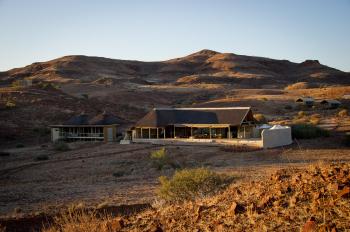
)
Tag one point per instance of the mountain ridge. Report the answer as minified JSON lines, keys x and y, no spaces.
{"x":228,"y":68}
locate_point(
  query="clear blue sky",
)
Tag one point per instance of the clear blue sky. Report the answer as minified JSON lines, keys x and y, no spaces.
{"x":150,"y":30}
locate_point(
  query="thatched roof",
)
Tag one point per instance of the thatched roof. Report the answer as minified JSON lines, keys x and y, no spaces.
{"x":100,"y":119}
{"x":160,"y":117}
{"x":81,"y":119}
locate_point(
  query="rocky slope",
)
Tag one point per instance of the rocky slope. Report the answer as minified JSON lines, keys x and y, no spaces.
{"x":205,"y":66}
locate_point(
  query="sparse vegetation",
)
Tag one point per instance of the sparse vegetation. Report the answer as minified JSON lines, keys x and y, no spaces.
{"x":296,"y":194}
{"x":61,"y":146}
{"x":78,"y":220}
{"x":41,"y":158}
{"x":159,"y":158}
{"x":307,"y":131}
{"x":188,"y":184}
{"x":260,"y":118}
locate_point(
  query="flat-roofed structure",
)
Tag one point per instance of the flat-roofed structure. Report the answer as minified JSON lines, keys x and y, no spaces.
{"x":83,"y":127}
{"x":196,"y":123}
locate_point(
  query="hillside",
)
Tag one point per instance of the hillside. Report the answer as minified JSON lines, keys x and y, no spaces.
{"x":69,"y":85}
{"x":205,"y":66}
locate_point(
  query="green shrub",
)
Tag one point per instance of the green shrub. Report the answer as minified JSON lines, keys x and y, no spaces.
{"x":188,"y":184}
{"x":61,"y":146}
{"x":159,"y":158}
{"x":307,"y":131}
{"x":41,"y":158}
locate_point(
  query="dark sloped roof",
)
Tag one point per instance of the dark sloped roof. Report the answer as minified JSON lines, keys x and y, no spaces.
{"x":330,"y":101}
{"x":81,"y":119}
{"x":100,"y":119}
{"x":305,"y":99}
{"x":169,"y":116}
{"x":104,"y":119}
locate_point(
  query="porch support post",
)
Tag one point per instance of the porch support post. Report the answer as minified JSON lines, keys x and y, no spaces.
{"x":210,"y":132}
{"x":141,"y":134}
{"x":191,"y":132}
{"x":174,"y":132}
{"x":164,"y":132}
{"x":229,"y":132}
{"x":149,"y":133}
{"x":157,"y":133}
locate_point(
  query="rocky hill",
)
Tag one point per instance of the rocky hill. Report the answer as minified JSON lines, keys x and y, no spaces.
{"x":69,"y":85}
{"x":205,"y":66}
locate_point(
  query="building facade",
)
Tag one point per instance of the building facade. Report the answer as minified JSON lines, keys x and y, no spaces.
{"x":102,"y":127}
{"x":196,"y":123}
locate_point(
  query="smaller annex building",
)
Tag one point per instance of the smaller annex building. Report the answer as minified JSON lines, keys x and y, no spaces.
{"x":196,"y":123}
{"x":83,"y":127}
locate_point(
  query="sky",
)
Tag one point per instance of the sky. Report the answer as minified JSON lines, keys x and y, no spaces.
{"x":154,"y":30}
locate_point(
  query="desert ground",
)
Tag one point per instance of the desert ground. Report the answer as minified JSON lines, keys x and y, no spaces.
{"x":114,"y":174}
{"x":37,"y":179}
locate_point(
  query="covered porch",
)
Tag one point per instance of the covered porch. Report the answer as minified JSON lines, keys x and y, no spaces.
{"x":194,"y":131}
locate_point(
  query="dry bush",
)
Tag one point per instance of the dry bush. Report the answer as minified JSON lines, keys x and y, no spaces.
{"x":298,"y":85}
{"x":343,"y":113}
{"x":260,"y":118}
{"x":188,"y":184}
{"x":159,"y":158}
{"x":75,"y":220}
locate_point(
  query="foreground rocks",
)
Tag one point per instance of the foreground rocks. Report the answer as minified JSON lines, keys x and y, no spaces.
{"x":316,"y":198}
{"x":312,"y":199}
